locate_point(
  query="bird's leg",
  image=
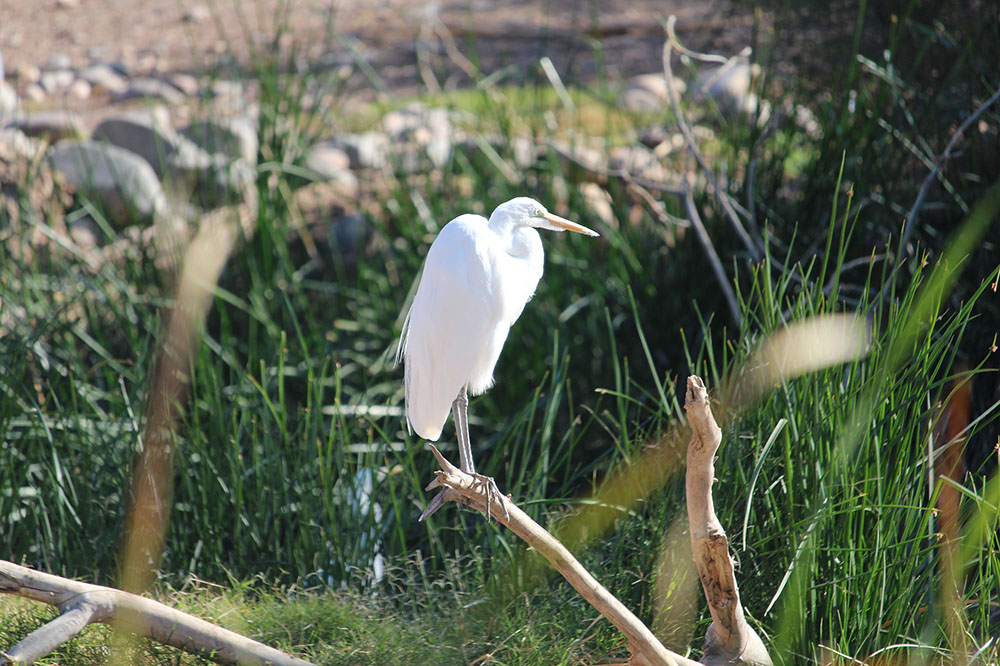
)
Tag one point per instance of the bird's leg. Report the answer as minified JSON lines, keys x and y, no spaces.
{"x":460,"y":414}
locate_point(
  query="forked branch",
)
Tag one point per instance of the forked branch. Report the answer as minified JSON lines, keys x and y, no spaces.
{"x":82,"y":603}
{"x":730,"y":639}
{"x":645,"y":647}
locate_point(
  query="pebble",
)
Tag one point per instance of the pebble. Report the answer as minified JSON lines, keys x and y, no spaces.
{"x":648,"y":93}
{"x":366,"y":150}
{"x":85,"y":233}
{"x":637,"y":161}
{"x":79,"y":89}
{"x":103,"y":77}
{"x":67,"y":4}
{"x":34,"y":93}
{"x":186,"y":83}
{"x":8,"y":99}
{"x":197,"y":14}
{"x":56,"y":80}
{"x":27,"y":74}
{"x":327,"y":159}
{"x":59,"y":61}
{"x":119,"y":179}
{"x":150,"y":89}
{"x":729,"y":86}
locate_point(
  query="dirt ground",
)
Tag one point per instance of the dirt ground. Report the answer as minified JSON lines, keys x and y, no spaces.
{"x":187,"y":36}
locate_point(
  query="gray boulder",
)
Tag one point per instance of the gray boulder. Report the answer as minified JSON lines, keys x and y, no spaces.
{"x":121,"y":180}
{"x":235,"y":137}
{"x":148,"y":133}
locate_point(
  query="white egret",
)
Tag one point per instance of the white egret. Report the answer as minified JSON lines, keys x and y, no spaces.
{"x":477,"y":278}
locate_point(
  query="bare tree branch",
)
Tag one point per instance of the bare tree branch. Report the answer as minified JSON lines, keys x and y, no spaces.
{"x":82,"y":603}
{"x":645,"y":647}
{"x":729,"y":639}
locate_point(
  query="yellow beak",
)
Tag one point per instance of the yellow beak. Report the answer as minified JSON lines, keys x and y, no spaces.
{"x":563,"y":223}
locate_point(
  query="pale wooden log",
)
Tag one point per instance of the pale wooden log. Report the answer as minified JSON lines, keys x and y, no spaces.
{"x":643,"y":644}
{"x":729,"y":639}
{"x":83,"y":603}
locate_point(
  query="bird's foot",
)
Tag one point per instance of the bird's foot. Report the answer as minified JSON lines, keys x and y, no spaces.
{"x":493,"y":494}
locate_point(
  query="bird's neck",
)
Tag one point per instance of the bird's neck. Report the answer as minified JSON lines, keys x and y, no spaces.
{"x":519,"y":240}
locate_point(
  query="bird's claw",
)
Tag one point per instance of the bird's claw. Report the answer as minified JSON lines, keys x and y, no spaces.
{"x":489,"y":487}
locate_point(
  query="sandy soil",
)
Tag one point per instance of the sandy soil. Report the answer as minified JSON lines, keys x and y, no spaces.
{"x":186,"y":36}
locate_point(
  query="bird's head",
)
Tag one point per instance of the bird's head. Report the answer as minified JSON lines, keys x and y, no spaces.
{"x":526,"y":211}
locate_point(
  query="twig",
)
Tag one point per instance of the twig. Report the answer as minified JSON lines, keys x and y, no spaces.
{"x":713,"y":256}
{"x":914,"y":212}
{"x":721,"y":196}
{"x":911,"y":216}
{"x":470,"y":492}
{"x":82,"y":604}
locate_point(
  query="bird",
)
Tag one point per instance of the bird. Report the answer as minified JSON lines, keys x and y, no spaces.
{"x":478,"y":276}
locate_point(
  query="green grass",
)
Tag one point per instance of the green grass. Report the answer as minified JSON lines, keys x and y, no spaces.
{"x":292,"y":422}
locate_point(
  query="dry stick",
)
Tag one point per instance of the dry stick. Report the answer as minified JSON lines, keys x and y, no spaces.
{"x":83,"y":603}
{"x":911,"y":216}
{"x":469,"y":491}
{"x":729,"y":638}
{"x":713,"y":257}
{"x":692,"y":145}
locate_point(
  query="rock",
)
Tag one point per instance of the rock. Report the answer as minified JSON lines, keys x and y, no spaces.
{"x":226,"y":88}
{"x":8,"y":100}
{"x":51,"y":125}
{"x":234,"y":137}
{"x":59,"y":61}
{"x":637,"y":161}
{"x":186,"y":83}
{"x":103,"y":77}
{"x":147,"y":134}
{"x":34,"y":93}
{"x":79,"y":89}
{"x":327,"y":160}
{"x":197,"y":14}
{"x":67,"y":4}
{"x":729,"y":86}
{"x":367,"y":150}
{"x":27,"y":74}
{"x":648,"y":93}
{"x":150,"y":89}
{"x":97,"y":52}
{"x":427,"y":131}
{"x":56,"y":80}
{"x":85,"y":233}
{"x":122,"y":181}
{"x":15,"y":142}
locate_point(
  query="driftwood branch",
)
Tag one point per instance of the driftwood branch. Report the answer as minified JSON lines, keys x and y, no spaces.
{"x":82,"y":604}
{"x":729,"y":639}
{"x":646,"y":649}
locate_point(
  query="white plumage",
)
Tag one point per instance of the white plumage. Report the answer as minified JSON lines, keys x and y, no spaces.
{"x":477,"y":278}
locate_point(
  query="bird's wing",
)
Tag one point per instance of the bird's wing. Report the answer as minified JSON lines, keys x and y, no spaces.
{"x":448,"y":323}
